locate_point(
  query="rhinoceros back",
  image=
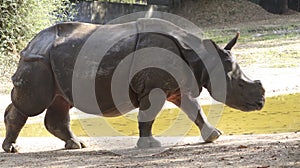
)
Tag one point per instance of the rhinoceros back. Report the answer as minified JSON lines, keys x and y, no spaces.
{"x":80,"y":44}
{"x":84,"y":58}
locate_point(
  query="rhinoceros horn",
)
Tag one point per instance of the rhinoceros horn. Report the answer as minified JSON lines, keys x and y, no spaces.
{"x":232,"y":42}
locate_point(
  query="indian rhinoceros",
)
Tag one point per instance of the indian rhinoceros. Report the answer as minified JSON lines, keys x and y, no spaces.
{"x":44,"y":79}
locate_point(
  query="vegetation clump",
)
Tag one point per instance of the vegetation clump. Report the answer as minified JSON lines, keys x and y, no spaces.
{"x":20,"y":20}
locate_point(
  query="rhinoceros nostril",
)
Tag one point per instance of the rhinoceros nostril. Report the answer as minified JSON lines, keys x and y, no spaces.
{"x":259,"y":104}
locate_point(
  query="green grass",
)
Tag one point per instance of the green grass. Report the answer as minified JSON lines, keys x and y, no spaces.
{"x":252,"y":33}
{"x":280,"y":114}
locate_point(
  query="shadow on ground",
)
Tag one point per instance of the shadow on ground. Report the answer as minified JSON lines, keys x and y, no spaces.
{"x":271,"y":150}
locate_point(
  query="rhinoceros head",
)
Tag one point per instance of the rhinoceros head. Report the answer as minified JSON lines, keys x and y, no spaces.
{"x":242,"y":93}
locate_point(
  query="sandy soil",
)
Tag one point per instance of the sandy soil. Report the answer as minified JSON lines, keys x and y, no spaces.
{"x":263,"y":151}
{"x":225,"y":13}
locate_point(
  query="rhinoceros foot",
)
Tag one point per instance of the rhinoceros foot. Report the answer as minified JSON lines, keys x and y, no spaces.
{"x":74,"y":144}
{"x":210,"y":133}
{"x":10,"y":147}
{"x":148,"y":142}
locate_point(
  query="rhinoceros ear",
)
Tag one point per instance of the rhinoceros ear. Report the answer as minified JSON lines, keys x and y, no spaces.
{"x":232,"y":42}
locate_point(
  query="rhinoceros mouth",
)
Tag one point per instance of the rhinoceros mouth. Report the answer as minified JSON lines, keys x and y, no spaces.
{"x":257,"y":105}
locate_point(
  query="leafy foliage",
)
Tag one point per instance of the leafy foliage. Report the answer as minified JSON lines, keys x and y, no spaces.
{"x":117,"y":1}
{"x":20,"y":20}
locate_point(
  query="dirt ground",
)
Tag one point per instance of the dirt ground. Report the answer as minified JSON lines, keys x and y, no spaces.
{"x":226,"y":13}
{"x":261,"y":151}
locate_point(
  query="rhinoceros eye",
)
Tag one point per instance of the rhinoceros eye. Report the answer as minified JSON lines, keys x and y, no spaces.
{"x":232,"y":56}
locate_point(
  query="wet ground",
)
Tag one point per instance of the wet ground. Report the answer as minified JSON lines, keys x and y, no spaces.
{"x":277,"y":81}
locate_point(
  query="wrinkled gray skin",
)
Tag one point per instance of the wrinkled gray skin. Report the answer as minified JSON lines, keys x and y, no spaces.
{"x":43,"y":81}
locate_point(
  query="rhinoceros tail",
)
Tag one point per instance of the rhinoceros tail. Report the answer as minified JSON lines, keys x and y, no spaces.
{"x":38,"y":48}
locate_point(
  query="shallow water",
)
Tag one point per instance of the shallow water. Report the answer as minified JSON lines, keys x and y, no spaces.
{"x":280,"y":114}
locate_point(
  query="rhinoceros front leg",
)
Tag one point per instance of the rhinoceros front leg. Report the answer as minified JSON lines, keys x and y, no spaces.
{"x":146,"y":117}
{"x":191,"y":107}
{"x":146,"y":139}
{"x":57,"y":122}
{"x":14,"y":121}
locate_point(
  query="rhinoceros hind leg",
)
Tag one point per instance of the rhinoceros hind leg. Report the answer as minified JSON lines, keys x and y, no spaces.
{"x":57,"y":122}
{"x":14,"y":121}
{"x":146,"y":117}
